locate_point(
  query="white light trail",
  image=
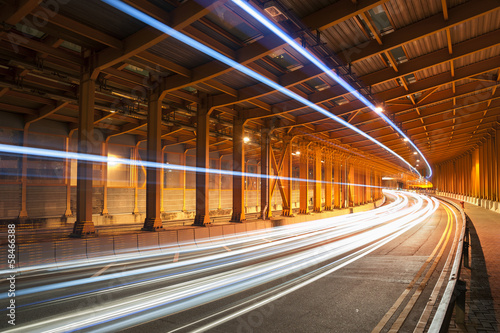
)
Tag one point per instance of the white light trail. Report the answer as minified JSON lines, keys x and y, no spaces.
{"x":294,"y":249}
{"x":245,"y":70}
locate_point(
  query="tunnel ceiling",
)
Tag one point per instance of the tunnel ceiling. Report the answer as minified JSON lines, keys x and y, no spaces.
{"x":433,"y":65}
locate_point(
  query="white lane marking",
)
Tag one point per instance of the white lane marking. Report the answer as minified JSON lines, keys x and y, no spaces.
{"x":102,"y":270}
{"x":176,"y":257}
{"x":228,"y":249}
{"x":267,"y":240}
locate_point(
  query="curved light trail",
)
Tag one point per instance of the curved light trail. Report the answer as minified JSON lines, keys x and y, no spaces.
{"x":311,"y":250}
{"x":312,"y":58}
{"x":245,"y":70}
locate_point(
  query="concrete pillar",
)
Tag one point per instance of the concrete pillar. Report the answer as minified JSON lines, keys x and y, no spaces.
{"x":287,"y":181}
{"x":265,"y":165}
{"x":328,"y":180}
{"x":497,"y":162}
{"x":304,"y":176}
{"x":336,"y":182}
{"x":104,"y":153}
{"x":351,"y":179}
{"x":84,"y":224}
{"x":135,"y":177}
{"x":67,"y":177}
{"x":202,"y":161}
{"x":153,"y":176}
{"x":238,"y":169}
{"x":368,"y":182}
{"x":317,"y":179}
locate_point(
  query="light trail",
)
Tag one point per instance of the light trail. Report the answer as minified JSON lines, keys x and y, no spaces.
{"x":61,"y":154}
{"x":311,"y":57}
{"x":295,"y":249}
{"x":245,"y":70}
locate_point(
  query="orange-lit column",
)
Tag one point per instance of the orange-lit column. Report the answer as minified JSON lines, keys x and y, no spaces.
{"x":287,"y":181}
{"x":84,"y":224}
{"x":317,"y":179}
{"x":497,"y":162}
{"x":202,"y":161}
{"x":265,"y":167}
{"x":238,"y":169}
{"x":350,"y":181}
{"x":304,"y":176}
{"x":369,"y":197}
{"x":104,"y":153}
{"x":153,"y":175}
{"x":67,"y":177}
{"x":135,"y":177}
{"x":328,"y":180}
{"x":337,"y":196}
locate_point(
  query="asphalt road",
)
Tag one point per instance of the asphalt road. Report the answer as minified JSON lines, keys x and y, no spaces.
{"x":342,"y":274}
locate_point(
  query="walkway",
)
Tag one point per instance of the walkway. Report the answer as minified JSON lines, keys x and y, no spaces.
{"x":483,"y":277}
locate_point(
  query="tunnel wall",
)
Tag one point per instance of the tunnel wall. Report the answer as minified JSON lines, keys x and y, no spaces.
{"x":474,"y":176}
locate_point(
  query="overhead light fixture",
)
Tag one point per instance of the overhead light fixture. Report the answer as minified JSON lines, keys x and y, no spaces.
{"x":406,"y":139}
{"x":414,"y":153}
{"x":246,"y":139}
{"x":378,"y":109}
{"x":297,"y":152}
{"x":418,"y":160}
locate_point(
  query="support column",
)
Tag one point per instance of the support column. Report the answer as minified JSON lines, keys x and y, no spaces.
{"x":317,"y":179}
{"x":304,"y":177}
{"x":368,"y":188}
{"x":202,"y":161}
{"x":23,"y":213}
{"x":286,"y":195}
{"x":328,"y":181}
{"x":67,"y":176}
{"x":84,"y":224}
{"x":350,"y":181}
{"x":336,"y":182}
{"x":497,"y":162}
{"x":265,"y":156}
{"x":220,"y":183}
{"x":104,"y":153}
{"x":135,"y":178}
{"x":238,"y":169}
{"x":153,"y":186}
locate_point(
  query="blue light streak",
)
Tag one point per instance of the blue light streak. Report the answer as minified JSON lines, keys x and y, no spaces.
{"x":284,"y":36}
{"x":222,"y":58}
{"x":49,"y":153}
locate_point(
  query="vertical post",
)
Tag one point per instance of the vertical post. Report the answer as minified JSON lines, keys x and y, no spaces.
{"x":351,"y":181}
{"x":497,"y":162}
{"x":238,"y":169}
{"x":337,"y":180}
{"x":265,"y":156}
{"x":23,"y":213}
{"x":153,"y":176}
{"x":304,"y":176}
{"x":162,"y":181}
{"x":328,"y":181}
{"x":220,"y":181}
{"x":84,"y":224}
{"x":287,"y":175}
{"x":202,"y":161}
{"x":67,"y":176}
{"x":104,"y":153}
{"x":183,"y":162}
{"x":135,"y":178}
{"x":317,"y":178}
{"x":368,"y":182}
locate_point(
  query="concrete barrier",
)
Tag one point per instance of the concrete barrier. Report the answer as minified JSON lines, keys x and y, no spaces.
{"x":240,"y":230}
{"x":148,"y":241}
{"x":228,"y":231}
{"x":71,"y":249}
{"x":36,"y":254}
{"x":250,"y":226}
{"x":185,"y":237}
{"x":202,"y":236}
{"x":125,"y":244}
{"x":215,"y":233}
{"x":168,"y":240}
{"x":101,"y":246}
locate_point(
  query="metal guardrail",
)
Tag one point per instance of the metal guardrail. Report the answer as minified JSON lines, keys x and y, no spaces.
{"x":454,"y":294}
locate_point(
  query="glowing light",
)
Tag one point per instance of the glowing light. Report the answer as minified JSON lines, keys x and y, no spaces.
{"x":406,"y":139}
{"x":216,"y":55}
{"x":113,"y":161}
{"x":378,"y":109}
{"x":415,"y":153}
{"x":297,"y":152}
{"x":246,"y":139}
